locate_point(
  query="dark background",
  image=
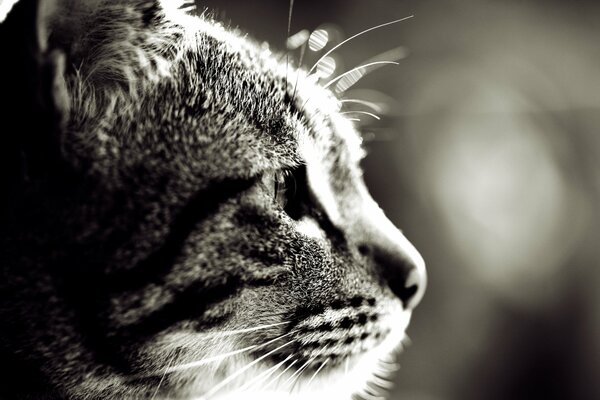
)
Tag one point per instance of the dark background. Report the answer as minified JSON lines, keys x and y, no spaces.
{"x":488,"y":157}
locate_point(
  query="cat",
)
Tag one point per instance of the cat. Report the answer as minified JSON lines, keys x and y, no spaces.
{"x":184,"y":216}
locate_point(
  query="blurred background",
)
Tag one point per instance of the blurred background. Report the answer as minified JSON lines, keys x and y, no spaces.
{"x":487,"y":155}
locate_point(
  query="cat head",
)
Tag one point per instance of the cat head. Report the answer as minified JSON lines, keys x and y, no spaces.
{"x":197,"y":223}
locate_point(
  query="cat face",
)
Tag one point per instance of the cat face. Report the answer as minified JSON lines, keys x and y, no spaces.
{"x":207,"y":231}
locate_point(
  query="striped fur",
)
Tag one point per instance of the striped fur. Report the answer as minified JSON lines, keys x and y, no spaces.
{"x":158,"y":224}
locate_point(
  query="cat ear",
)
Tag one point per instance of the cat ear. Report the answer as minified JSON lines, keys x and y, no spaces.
{"x":47,"y":43}
{"x":34,"y":96}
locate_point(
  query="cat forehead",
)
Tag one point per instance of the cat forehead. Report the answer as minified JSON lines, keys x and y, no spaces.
{"x":311,"y":103}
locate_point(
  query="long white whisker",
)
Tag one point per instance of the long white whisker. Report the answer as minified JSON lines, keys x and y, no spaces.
{"x":292,"y":384}
{"x":352,"y":71}
{"x":346,"y":366}
{"x":292,"y":377}
{"x":317,"y":371}
{"x":279,"y":375}
{"x":220,"y":357}
{"x":162,"y":378}
{"x":290,"y":17}
{"x":337,"y":78}
{"x":263,"y":375}
{"x":348,"y":81}
{"x":209,"y":360}
{"x":225,"y":381}
{"x":355,"y":36}
{"x":296,"y":374}
{"x":302,"y":51}
{"x":369,"y":104}
{"x":274,"y":369}
{"x":198,"y":363}
{"x":362,"y":112}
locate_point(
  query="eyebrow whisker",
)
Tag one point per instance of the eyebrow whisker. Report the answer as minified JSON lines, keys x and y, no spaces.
{"x":355,"y":36}
{"x":362,"y":112}
{"x":375,"y":107}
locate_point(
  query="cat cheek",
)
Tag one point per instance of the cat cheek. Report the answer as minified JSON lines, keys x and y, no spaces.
{"x":309,"y":227}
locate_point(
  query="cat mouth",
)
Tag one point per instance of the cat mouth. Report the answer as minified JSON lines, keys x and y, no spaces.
{"x":284,"y":367}
{"x":365,"y":375}
{"x":374,"y":373}
{"x":380,"y":381}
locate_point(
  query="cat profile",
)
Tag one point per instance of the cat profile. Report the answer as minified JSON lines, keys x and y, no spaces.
{"x":182,"y":219}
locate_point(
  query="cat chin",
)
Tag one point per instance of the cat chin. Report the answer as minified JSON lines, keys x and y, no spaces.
{"x":367,"y":375}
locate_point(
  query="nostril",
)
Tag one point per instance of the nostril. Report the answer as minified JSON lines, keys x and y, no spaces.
{"x":364,"y":249}
{"x":405,"y":292}
{"x":412,"y":291}
{"x":406,"y":277}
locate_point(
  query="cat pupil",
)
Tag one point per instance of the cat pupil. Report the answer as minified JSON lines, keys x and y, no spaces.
{"x":289,"y":188}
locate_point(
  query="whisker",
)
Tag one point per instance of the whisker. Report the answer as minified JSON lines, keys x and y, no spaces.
{"x":220,"y":357}
{"x":370,"y":104}
{"x":263,"y":375}
{"x":382,"y":100}
{"x":296,"y":379}
{"x":355,"y":36}
{"x":291,"y":9}
{"x":395,"y":54}
{"x":296,"y":374}
{"x":162,"y":378}
{"x":302,"y":51}
{"x":275,"y":369}
{"x":209,"y":360}
{"x":353,"y":70}
{"x":362,"y":112}
{"x":225,"y":381}
{"x":280,"y":374}
{"x":317,"y":371}
{"x":350,"y":80}
{"x":199,"y":363}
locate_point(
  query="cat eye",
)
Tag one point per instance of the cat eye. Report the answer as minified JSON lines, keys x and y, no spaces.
{"x":289,"y":191}
{"x":284,"y":188}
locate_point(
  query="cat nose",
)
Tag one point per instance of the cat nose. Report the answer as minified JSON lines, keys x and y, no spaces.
{"x":396,"y":259}
{"x":403,"y":269}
